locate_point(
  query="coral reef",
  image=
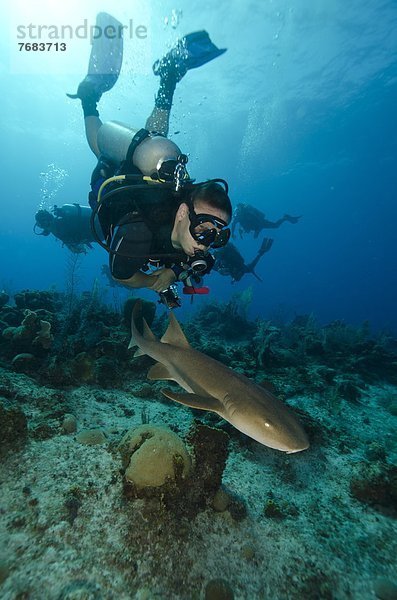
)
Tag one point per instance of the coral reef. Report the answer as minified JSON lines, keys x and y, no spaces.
{"x":89,"y":344}
{"x":4,"y":298}
{"x":33,"y":334}
{"x":210,"y":447}
{"x":246,"y":521}
{"x":156,"y":463}
{"x":33,"y":300}
{"x":336,"y":345}
{"x":225,"y":320}
{"x":147,"y":311}
{"x":153,"y":456}
{"x":42,"y":337}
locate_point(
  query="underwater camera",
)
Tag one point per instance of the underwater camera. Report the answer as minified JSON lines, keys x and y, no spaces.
{"x":170,"y":298}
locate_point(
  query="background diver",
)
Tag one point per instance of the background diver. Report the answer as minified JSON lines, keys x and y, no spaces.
{"x":69,"y":223}
{"x":229,"y":261}
{"x":149,"y":210}
{"x":248,"y":218}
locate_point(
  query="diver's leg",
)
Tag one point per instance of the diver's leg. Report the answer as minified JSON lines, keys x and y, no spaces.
{"x":92,"y":122}
{"x":158,"y":121}
{"x":159,"y":118}
{"x":190,"y":52}
{"x":92,"y":125}
{"x":103,"y":71}
{"x":89,"y":97}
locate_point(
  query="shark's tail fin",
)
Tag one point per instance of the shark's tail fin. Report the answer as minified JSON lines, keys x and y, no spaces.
{"x":136,"y":336}
{"x":173,"y":336}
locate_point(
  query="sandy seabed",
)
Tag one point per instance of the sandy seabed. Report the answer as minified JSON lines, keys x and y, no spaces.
{"x":325,"y":544}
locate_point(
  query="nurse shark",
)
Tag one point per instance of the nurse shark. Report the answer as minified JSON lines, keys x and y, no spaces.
{"x":210,"y":385}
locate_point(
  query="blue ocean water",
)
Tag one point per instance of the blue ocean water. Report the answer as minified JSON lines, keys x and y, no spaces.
{"x":298,"y":116}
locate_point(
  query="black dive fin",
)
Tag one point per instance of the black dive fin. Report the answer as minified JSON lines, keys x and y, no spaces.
{"x":255,"y":274}
{"x":265,"y":247}
{"x":189,"y":52}
{"x":105,"y":59}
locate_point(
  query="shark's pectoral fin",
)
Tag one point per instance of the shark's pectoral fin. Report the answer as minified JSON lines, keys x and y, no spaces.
{"x":138,"y":352}
{"x":194,"y":400}
{"x":159,"y":371}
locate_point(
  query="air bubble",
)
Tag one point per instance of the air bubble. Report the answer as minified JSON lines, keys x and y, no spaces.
{"x":52,"y":181}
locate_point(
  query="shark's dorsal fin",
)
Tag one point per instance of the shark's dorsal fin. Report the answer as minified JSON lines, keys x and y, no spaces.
{"x":195,"y":401}
{"x":159,"y":371}
{"x":174,"y":334}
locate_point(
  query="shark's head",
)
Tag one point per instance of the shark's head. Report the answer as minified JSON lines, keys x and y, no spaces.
{"x":278,"y":429}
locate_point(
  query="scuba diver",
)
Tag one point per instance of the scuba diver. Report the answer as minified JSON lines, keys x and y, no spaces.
{"x":248,"y":218}
{"x":228,"y":260}
{"x":69,"y":223}
{"x":151,"y":213}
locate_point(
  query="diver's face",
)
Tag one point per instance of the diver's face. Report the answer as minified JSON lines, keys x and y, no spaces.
{"x":181,"y":236}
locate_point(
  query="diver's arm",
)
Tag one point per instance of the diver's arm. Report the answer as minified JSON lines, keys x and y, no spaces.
{"x":157,"y":281}
{"x":138,"y":280}
{"x":162,"y":279}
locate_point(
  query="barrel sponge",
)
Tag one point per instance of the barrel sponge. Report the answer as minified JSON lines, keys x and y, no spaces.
{"x":153,"y":455}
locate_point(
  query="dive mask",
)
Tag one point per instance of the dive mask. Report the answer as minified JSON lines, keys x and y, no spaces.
{"x":201,"y":230}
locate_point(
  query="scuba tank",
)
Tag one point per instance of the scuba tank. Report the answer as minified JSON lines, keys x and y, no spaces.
{"x":146,"y":151}
{"x":72,"y":211}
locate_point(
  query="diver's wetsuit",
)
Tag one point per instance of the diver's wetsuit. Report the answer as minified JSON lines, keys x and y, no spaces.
{"x":71,"y":225}
{"x":248,"y":218}
{"x":137,"y":223}
{"x":228,"y":260}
